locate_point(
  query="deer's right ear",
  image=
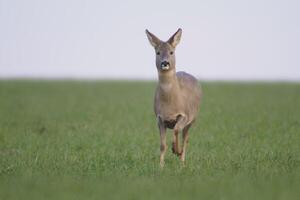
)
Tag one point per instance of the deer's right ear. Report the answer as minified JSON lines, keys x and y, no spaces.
{"x":154,"y":41}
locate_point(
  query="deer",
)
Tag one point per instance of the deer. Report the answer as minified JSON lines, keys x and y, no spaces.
{"x":177,"y":96}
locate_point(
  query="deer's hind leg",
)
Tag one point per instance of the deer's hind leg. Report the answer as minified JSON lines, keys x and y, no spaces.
{"x":185,"y":139}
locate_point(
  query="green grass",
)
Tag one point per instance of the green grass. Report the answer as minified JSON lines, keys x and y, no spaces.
{"x":99,"y":140}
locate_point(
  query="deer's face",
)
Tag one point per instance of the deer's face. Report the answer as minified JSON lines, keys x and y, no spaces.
{"x":165,"y":51}
{"x":165,"y":57}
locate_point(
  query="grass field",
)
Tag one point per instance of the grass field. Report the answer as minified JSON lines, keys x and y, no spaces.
{"x":99,"y":140}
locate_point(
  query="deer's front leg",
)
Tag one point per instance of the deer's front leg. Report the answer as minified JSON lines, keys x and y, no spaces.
{"x":163,"y":142}
{"x":180,"y":124}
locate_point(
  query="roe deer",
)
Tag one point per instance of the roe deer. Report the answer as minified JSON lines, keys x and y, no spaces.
{"x":177,"y":96}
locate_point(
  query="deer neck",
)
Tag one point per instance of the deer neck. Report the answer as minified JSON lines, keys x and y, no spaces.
{"x":168,"y":85}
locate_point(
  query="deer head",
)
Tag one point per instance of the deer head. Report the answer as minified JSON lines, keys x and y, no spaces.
{"x":165,"y":51}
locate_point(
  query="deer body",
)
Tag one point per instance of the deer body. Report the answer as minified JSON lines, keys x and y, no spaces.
{"x":177,"y":96}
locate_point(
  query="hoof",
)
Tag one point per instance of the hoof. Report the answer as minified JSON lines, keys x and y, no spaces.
{"x":161,"y":164}
{"x":179,"y":153}
{"x":175,"y":151}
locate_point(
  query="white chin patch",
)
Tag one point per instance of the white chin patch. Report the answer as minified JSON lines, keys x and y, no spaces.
{"x":165,"y":67}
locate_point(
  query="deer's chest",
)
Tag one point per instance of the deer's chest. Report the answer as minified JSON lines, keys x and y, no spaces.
{"x":168,"y":107}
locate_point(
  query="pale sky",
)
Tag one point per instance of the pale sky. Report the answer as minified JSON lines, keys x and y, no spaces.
{"x":230,"y":39}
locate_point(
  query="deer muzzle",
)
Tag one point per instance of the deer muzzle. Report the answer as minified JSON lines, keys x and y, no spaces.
{"x":165,"y":65}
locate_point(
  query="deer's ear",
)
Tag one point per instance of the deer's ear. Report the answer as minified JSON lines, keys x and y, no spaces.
{"x":154,"y":41}
{"x":175,"y":39}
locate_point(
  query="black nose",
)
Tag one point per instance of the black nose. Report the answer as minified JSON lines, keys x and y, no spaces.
{"x":165,"y":63}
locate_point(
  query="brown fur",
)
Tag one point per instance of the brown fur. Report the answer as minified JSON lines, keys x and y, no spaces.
{"x":177,"y":97}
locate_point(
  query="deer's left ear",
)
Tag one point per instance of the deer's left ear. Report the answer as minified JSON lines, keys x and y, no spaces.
{"x":175,"y":39}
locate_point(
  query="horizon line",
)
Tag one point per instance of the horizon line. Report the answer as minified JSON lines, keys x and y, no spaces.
{"x":73,"y":78}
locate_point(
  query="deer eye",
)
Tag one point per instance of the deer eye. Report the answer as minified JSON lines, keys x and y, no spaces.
{"x":171,"y":52}
{"x":158,"y":53}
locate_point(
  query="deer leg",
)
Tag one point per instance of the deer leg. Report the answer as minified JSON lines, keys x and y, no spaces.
{"x":175,"y":143}
{"x":181,"y":121}
{"x":185,"y":138}
{"x":163,"y":143}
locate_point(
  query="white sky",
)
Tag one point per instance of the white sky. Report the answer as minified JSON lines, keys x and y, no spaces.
{"x":230,"y":39}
